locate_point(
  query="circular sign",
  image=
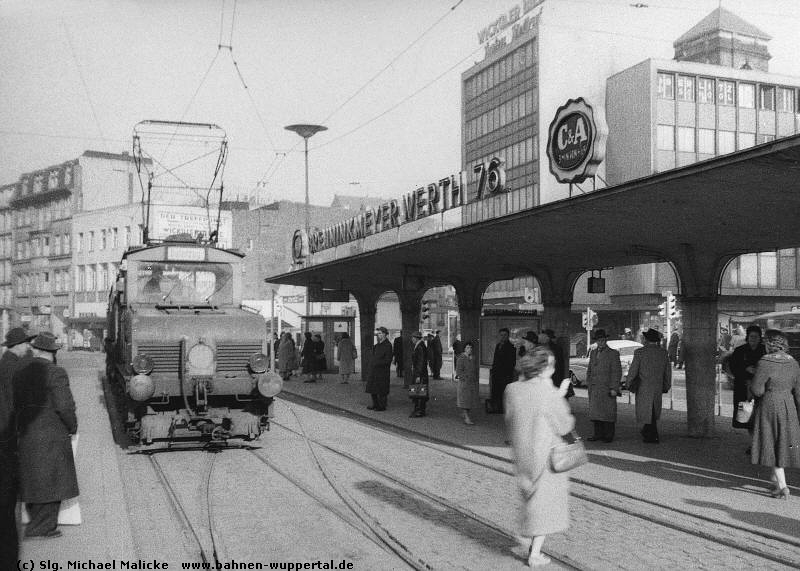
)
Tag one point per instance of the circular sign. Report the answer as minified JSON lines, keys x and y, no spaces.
{"x":299,"y":246}
{"x":577,"y":141}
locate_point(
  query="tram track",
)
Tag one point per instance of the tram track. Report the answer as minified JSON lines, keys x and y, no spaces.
{"x":751,"y":541}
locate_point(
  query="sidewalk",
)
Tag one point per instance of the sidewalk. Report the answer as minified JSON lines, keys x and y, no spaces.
{"x":710,"y":477}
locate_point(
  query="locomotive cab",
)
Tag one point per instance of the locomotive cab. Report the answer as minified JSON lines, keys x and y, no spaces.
{"x":186,"y":361}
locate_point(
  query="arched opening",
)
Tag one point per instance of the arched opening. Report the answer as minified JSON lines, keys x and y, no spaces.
{"x":515,"y":304}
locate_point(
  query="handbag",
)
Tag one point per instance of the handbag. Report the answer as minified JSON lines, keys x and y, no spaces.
{"x":568,"y":454}
{"x":744,"y":411}
{"x":417,"y":389}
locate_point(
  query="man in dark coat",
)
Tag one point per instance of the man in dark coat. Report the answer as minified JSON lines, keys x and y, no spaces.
{"x":603,"y":375}
{"x":419,"y":372}
{"x":380,"y":371}
{"x":435,"y":355}
{"x":46,"y":419}
{"x":501,"y":373}
{"x":397,"y":354}
{"x":17,"y":345}
{"x":649,"y":377}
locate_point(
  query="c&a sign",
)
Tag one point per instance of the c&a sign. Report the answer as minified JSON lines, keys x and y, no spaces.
{"x":577,"y":141}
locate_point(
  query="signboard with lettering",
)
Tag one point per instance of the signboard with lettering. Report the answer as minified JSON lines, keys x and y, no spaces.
{"x":510,"y":25}
{"x":577,"y":141}
{"x":169,"y":220}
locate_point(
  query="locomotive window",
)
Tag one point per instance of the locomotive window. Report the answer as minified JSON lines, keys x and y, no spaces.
{"x":182,"y":283}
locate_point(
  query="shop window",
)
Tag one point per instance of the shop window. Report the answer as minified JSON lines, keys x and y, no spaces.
{"x":766,"y":98}
{"x":785,"y":99}
{"x":705,"y":141}
{"x":726,"y":142}
{"x":685,"y":88}
{"x":686,"y":139}
{"x":747,"y":95}
{"x":666,"y":86}
{"x":666,"y":138}
{"x":725,"y":93}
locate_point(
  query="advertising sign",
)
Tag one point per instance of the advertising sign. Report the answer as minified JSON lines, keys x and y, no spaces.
{"x":577,"y":141}
{"x":169,"y":220}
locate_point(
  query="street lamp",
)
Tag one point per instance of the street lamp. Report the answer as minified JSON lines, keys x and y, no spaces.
{"x":306,"y":131}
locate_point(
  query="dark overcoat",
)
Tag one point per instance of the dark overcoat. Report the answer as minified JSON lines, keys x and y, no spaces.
{"x":603,"y":374}
{"x":654,"y":370}
{"x":435,"y":353}
{"x":742,"y":358}
{"x":503,"y":362}
{"x":8,"y":436}
{"x":45,"y":420}
{"x":380,"y":365}
{"x":419,"y":363}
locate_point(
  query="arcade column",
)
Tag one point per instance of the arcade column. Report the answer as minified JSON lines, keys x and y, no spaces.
{"x":699,"y":346}
{"x":556,"y":316}
{"x":410,"y":301}
{"x":470,"y":300}
{"x":367,"y":308}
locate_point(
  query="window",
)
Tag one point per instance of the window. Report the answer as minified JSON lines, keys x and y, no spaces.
{"x":115,"y":233}
{"x":666,"y":86}
{"x":766,"y":98}
{"x":726,"y":142}
{"x":705,"y":141}
{"x":102,"y":239}
{"x":748,"y":271}
{"x":91,"y":241}
{"x":685,"y":88}
{"x":79,"y":245}
{"x":725,"y":93}
{"x":686,"y":139}
{"x":666,"y":138}
{"x":746,"y":140}
{"x":765,"y":138}
{"x":785,"y":99}
{"x":768,"y":269}
{"x":66,"y":243}
{"x":747,"y":95}
{"x":787,"y":268}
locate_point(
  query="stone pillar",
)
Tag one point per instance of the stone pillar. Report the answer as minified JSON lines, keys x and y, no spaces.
{"x":367,"y":308}
{"x":699,"y":347}
{"x":410,"y":306}
{"x":556,"y":316}
{"x":469,"y":296}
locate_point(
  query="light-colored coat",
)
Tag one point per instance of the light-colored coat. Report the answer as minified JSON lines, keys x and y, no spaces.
{"x":603,"y":374}
{"x":651,"y":364}
{"x":536,"y":416}
{"x":345,"y":353}
{"x":776,"y":428}
{"x":286,"y":355}
{"x":467,"y":388}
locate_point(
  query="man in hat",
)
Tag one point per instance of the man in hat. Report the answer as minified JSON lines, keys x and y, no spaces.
{"x":17,"y":346}
{"x":45,"y":413}
{"x":397,"y":353}
{"x":603,"y":375}
{"x":435,"y":353}
{"x":380,"y":371}
{"x":502,"y":372}
{"x":419,"y":373}
{"x":649,"y":376}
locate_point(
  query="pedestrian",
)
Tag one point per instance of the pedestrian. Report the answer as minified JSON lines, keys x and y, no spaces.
{"x":603,"y":376}
{"x":776,"y":430}
{"x":286,"y":356}
{"x":561,"y":372}
{"x":649,"y":376}
{"x":320,"y":362}
{"x":397,"y":354}
{"x":45,"y":412}
{"x":536,"y":417}
{"x":307,"y":359}
{"x":467,"y":378}
{"x":672,"y":348}
{"x":419,"y":374}
{"x":435,"y":352}
{"x":627,"y":334}
{"x":502,"y":372}
{"x":380,"y":371}
{"x":276,"y":344}
{"x":742,"y":364}
{"x":347,"y":354}
{"x":458,"y":346}
{"x":18,"y":347}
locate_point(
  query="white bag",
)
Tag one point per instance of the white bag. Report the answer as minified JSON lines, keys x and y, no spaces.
{"x":744,"y":411}
{"x":70,"y":512}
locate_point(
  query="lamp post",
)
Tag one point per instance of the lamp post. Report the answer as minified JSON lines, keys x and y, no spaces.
{"x":306,"y":131}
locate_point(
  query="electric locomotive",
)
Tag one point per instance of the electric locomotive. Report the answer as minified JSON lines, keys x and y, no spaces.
{"x":185,"y":360}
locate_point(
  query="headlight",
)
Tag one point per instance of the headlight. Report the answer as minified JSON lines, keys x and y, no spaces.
{"x":141,"y":387}
{"x":142,"y":364}
{"x":269,"y":384}
{"x":201,"y":360}
{"x":258,"y":362}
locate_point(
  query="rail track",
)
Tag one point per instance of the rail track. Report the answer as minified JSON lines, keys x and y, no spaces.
{"x":740,"y":538}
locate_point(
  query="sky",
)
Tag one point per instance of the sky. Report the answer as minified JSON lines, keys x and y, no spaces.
{"x":383,"y":76}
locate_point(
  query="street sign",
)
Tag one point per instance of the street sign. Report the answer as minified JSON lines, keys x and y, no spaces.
{"x":589,"y":319}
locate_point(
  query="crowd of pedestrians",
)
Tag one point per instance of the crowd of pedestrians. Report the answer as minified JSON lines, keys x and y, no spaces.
{"x":37,"y":421}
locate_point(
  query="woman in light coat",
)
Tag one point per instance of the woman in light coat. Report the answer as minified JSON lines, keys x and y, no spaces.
{"x":346,"y":353}
{"x":537,"y":415}
{"x":776,"y":428}
{"x":286,"y":356}
{"x":467,"y":378}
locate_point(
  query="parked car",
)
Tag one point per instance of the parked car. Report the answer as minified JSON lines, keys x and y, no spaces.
{"x":578,"y":366}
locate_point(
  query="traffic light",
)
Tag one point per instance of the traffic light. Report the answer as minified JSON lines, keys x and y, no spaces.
{"x":426,"y":310}
{"x":662,"y":309}
{"x":672,"y":310}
